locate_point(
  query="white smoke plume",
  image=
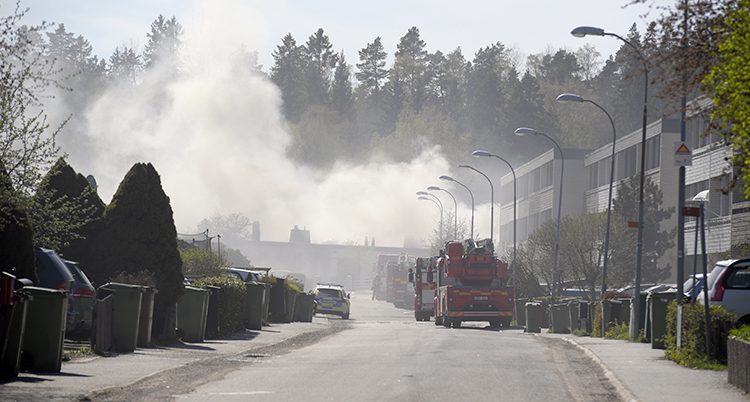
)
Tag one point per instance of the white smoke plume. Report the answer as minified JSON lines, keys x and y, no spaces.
{"x":219,"y":143}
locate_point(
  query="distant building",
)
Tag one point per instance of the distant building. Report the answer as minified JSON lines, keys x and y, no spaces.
{"x":538,"y":189}
{"x":298,"y":235}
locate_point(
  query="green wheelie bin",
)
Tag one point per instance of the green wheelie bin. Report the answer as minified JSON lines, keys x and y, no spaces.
{"x":146,"y":318}
{"x":45,"y":329}
{"x":192,"y":309}
{"x":126,"y":314}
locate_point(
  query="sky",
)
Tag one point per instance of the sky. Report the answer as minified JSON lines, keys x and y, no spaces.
{"x":530,"y":26}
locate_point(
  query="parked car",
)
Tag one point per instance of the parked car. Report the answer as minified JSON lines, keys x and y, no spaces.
{"x":52,"y":272}
{"x":81,"y":302}
{"x":729,"y":287}
{"x":693,"y":286}
{"x":331,"y":299}
{"x":244,"y":274}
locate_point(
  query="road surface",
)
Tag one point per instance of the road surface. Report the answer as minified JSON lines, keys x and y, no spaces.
{"x":383,"y":354}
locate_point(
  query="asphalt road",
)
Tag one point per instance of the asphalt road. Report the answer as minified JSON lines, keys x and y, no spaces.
{"x":383,"y":354}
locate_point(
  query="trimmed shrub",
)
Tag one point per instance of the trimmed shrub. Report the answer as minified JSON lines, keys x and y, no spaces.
{"x":693,"y":352}
{"x":231,"y":302}
{"x":742,"y":332}
{"x":138,"y":233}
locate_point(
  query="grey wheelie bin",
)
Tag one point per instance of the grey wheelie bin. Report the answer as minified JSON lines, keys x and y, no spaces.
{"x":192,"y":309}
{"x":13,"y":305}
{"x":254,"y":305}
{"x":146,"y":317}
{"x":560,"y":318}
{"x":534,"y":316}
{"x":45,"y":330}
{"x":126,"y":314}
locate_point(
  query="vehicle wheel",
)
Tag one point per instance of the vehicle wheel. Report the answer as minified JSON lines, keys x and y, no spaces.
{"x":446,"y":322}
{"x":438,"y":321}
{"x":456,"y":323}
{"x":505,"y":322}
{"x":345,"y":316}
{"x":495,"y":324}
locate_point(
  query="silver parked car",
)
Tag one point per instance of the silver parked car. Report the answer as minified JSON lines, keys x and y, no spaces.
{"x":729,"y":286}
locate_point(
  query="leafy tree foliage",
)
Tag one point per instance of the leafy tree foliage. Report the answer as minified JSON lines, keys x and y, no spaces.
{"x":288,"y":72}
{"x":196,"y":263}
{"x":655,"y":240}
{"x":342,"y":96}
{"x":138,"y":233}
{"x":164,"y":41}
{"x":372,"y":72}
{"x":16,"y":237}
{"x":124,"y":65}
{"x":27,"y":145}
{"x":729,"y":81}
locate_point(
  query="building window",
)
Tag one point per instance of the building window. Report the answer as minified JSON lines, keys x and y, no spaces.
{"x":547,"y":176}
{"x":604,"y":169}
{"x":593,"y":175}
{"x":652,"y":152}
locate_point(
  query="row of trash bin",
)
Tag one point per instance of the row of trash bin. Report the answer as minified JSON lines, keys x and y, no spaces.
{"x":32,"y":319}
{"x":32,"y":326}
{"x":570,"y":316}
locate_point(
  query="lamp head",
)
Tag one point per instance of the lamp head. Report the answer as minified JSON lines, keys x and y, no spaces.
{"x":465,"y":166}
{"x":701,"y":197}
{"x":479,"y":153}
{"x":422,"y":193}
{"x":566,"y":97}
{"x":447,"y":178}
{"x":434,"y":188}
{"x":582,"y":31}
{"x":521,"y":131}
{"x":421,"y":197}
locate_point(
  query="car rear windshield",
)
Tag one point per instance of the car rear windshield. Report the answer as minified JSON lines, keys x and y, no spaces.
{"x":330,"y":293}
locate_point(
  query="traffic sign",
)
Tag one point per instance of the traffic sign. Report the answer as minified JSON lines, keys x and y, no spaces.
{"x":683,"y":156}
{"x":691,"y":211}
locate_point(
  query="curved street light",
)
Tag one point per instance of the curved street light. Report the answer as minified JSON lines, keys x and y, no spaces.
{"x":567,"y":97}
{"x":448,"y":178}
{"x":426,"y":194}
{"x":440,"y":205}
{"x":581,"y":32}
{"x":455,"y":209}
{"x":481,"y":153}
{"x":521,"y":131}
{"x":492,"y":200}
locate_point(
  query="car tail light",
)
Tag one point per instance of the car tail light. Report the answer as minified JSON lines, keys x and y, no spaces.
{"x":84,"y":292}
{"x":719,"y":287}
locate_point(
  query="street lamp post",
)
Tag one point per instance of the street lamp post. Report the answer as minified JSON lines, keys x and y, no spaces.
{"x":448,"y":178}
{"x":580,"y":32}
{"x":576,"y":98}
{"x":421,"y":197}
{"x":455,"y":209}
{"x":521,"y":131}
{"x":480,"y":153}
{"x":440,"y":204}
{"x":492,"y":201}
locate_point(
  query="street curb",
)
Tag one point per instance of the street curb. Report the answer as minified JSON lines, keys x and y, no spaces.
{"x":621,"y":389}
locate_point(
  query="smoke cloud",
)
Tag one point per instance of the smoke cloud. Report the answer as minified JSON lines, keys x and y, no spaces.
{"x":216,"y":135}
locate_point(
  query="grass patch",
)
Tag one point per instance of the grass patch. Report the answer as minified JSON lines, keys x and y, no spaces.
{"x":686,"y":358}
{"x":581,"y":332}
{"x":619,"y":331}
{"x":78,"y":353}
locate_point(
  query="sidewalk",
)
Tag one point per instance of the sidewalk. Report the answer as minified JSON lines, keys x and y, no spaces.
{"x":644,"y":374}
{"x":80,"y":377}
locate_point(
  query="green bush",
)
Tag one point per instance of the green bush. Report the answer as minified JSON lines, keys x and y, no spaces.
{"x":618,"y":331}
{"x":231,"y":301}
{"x":742,"y":332}
{"x":196,"y":262}
{"x":693,"y":352}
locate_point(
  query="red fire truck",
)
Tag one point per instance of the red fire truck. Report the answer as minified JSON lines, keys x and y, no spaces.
{"x":424,"y":288}
{"x":472,"y":285}
{"x":397,"y":285}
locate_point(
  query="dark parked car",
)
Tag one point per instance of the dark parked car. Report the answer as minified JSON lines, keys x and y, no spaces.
{"x":53,"y":274}
{"x":82,"y":301}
